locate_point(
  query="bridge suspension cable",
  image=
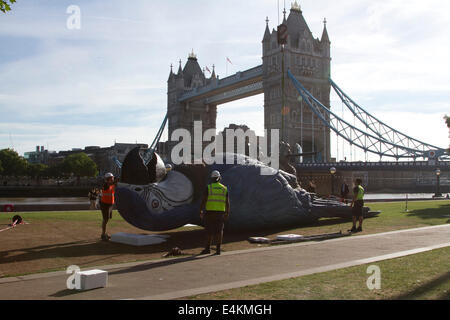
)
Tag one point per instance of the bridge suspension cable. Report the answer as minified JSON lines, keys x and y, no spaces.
{"x":148,"y":155}
{"x":353,"y":135}
{"x":384,"y":131}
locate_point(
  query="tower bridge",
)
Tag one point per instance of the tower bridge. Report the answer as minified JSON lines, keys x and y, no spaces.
{"x":194,"y":97}
{"x":296,"y":82}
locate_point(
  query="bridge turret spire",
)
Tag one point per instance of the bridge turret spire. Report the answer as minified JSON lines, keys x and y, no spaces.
{"x":171,"y":75}
{"x":267,"y":32}
{"x":296,"y":7}
{"x":325,"y":37}
{"x":192,"y":55}
{"x":213,"y":75}
{"x":180,"y":70}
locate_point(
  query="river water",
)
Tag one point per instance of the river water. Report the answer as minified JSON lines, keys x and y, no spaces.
{"x":44,"y":201}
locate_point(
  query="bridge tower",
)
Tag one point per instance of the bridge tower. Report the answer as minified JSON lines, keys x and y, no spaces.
{"x":309,"y":60}
{"x":182,"y":115}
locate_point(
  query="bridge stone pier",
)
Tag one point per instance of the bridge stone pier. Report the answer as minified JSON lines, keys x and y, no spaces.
{"x":194,"y":97}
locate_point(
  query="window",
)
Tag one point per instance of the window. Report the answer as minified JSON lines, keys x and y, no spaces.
{"x":303,"y":45}
{"x":273,"y":119}
{"x":274,"y":61}
{"x":275,"y":92}
{"x":173,"y":121}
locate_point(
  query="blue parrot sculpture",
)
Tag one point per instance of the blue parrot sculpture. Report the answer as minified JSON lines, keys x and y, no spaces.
{"x":151,"y":199}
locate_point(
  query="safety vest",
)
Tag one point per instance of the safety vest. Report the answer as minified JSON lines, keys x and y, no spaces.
{"x":217,"y":198}
{"x":108,"y":195}
{"x":361,"y":193}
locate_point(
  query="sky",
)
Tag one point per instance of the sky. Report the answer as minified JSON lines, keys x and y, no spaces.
{"x":107,"y":81}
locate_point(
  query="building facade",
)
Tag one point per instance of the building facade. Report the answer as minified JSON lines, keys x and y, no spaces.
{"x":103,"y":157}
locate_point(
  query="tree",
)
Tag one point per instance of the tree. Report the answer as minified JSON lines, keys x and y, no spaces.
{"x":12,"y":163}
{"x":1,"y":168}
{"x":54,"y":171}
{"x":36,"y":171}
{"x":5,"y":6}
{"x":80,"y":165}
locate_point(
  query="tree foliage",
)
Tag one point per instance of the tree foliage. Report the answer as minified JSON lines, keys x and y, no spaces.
{"x":36,"y":170}
{"x":80,"y":165}
{"x":12,"y":163}
{"x":1,"y":168}
{"x":55,"y":171}
{"x":5,"y":5}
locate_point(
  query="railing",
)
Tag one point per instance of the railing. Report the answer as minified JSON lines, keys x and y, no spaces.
{"x":344,"y":165}
{"x":254,"y":87}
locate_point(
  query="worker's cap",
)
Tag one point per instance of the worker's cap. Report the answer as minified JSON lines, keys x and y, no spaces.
{"x":109,"y":175}
{"x":215,"y":174}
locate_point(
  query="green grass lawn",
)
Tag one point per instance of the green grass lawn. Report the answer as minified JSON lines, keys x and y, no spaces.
{"x":393,"y":215}
{"x":423,"y":213}
{"x":421,"y":276}
{"x":55,"y":240}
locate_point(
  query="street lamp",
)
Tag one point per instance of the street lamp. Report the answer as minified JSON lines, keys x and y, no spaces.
{"x":438,"y":190}
{"x":333,"y":172}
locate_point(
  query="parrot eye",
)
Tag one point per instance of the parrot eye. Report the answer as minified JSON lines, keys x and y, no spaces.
{"x":155,"y":204}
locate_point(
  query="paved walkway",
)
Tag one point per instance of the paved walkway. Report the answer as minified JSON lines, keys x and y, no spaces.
{"x":190,"y":276}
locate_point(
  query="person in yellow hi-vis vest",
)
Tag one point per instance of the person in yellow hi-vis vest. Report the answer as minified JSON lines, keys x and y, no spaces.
{"x":358,"y":205}
{"x":214,"y":211}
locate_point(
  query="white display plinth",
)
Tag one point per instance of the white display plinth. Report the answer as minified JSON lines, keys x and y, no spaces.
{"x":92,"y":279}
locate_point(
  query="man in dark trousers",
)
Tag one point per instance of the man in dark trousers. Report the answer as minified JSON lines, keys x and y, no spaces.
{"x":214,"y":211}
{"x":358,"y":205}
{"x":345,"y":191}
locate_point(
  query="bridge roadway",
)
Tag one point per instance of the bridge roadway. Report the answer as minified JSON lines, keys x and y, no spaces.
{"x":238,"y":86}
{"x":375,"y":166}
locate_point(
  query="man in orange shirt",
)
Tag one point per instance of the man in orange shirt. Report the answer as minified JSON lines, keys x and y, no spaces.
{"x":107,"y":202}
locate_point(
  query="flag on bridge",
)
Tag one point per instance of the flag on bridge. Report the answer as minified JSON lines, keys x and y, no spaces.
{"x":228,"y":59}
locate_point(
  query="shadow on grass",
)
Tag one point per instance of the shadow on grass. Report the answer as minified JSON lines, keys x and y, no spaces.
{"x":443,"y":211}
{"x":100,"y":251}
{"x":420,"y":291}
{"x":150,"y":265}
